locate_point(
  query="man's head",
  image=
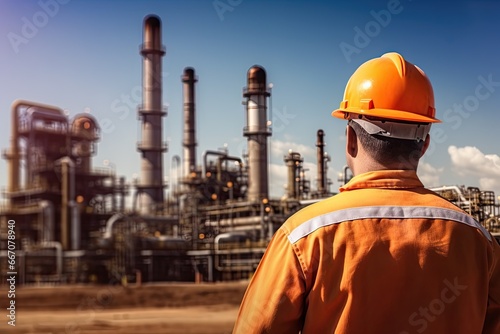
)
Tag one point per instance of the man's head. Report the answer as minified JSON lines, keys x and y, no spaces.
{"x":389,"y":105}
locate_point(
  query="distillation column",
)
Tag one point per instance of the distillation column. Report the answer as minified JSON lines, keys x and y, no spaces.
{"x":257,"y":131}
{"x":189,"y":142}
{"x":320,"y":156}
{"x":294,"y":165}
{"x":151,"y":188}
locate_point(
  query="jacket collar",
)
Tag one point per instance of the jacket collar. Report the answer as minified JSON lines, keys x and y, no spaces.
{"x":384,"y":179}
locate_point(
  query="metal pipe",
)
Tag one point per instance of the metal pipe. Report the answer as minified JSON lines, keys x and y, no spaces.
{"x":218,"y":238}
{"x":75,"y":225}
{"x":234,"y":209}
{"x":235,"y":159}
{"x":293,"y":161}
{"x":59,"y":255}
{"x":48,"y":245}
{"x":122,"y":193}
{"x":114,"y":185}
{"x":64,"y":205}
{"x":453,"y":188}
{"x":290,"y":188}
{"x":109,"y":224}
{"x":14,"y":155}
{"x":47,"y":221}
{"x":222,"y":157}
{"x":219,"y":167}
{"x":320,"y":156}
{"x":151,"y":186}
{"x":257,"y":131}
{"x":463,"y":203}
{"x":240,"y":221}
{"x":241,"y":228}
{"x":344,"y":175}
{"x":216,"y":247}
{"x":176,"y":191}
{"x":210,"y":269}
{"x":67,"y":195}
{"x":189,"y":142}
{"x":206,"y":154}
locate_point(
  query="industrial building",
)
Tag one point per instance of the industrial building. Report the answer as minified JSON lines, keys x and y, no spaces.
{"x":72,"y":224}
{"x":71,"y":221}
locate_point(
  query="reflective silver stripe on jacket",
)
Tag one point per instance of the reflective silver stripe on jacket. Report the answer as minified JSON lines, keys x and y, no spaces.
{"x":388,"y":212}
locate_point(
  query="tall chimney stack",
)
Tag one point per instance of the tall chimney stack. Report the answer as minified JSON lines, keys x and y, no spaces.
{"x":294,"y":164}
{"x":257,"y":131}
{"x":320,"y":155}
{"x":189,"y":142}
{"x":150,"y":187}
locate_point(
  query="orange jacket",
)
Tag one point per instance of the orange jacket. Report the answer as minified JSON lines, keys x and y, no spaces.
{"x":385,"y":256}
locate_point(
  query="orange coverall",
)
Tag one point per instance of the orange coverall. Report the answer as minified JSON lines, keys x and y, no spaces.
{"x":385,"y":255}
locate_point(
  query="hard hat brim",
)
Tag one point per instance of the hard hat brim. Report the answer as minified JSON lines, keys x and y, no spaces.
{"x":388,"y":114}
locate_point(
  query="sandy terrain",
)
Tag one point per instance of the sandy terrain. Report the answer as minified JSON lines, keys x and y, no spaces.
{"x":165,"y":308}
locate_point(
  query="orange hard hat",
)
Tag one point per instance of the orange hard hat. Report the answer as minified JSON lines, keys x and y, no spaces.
{"x":389,"y":88}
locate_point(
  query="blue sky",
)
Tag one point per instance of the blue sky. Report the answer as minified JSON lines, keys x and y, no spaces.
{"x":84,"y":56}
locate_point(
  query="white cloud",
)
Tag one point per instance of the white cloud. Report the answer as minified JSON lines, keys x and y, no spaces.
{"x":428,"y":174}
{"x":281,"y":148}
{"x":487,"y":183}
{"x":470,"y":160}
{"x":311,"y":174}
{"x":277,"y":180}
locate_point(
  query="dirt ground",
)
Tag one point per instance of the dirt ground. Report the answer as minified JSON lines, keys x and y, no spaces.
{"x":150,"y":309}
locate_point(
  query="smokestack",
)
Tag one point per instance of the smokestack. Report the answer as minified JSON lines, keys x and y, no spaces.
{"x":189,"y":142}
{"x":150,"y":187}
{"x":320,"y":144}
{"x":294,"y":163}
{"x":257,"y":131}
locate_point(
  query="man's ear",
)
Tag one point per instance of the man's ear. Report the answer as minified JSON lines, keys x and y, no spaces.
{"x":426,"y":144}
{"x":351,"y":142}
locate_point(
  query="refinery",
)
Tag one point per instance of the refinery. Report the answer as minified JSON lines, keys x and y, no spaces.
{"x":72,"y":221}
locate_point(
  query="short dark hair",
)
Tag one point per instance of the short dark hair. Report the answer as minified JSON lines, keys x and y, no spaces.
{"x":386,"y":149}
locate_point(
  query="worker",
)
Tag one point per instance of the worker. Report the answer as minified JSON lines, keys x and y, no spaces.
{"x":385,"y":255}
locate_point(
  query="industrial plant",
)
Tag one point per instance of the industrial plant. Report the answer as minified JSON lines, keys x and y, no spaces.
{"x":72,"y":222}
